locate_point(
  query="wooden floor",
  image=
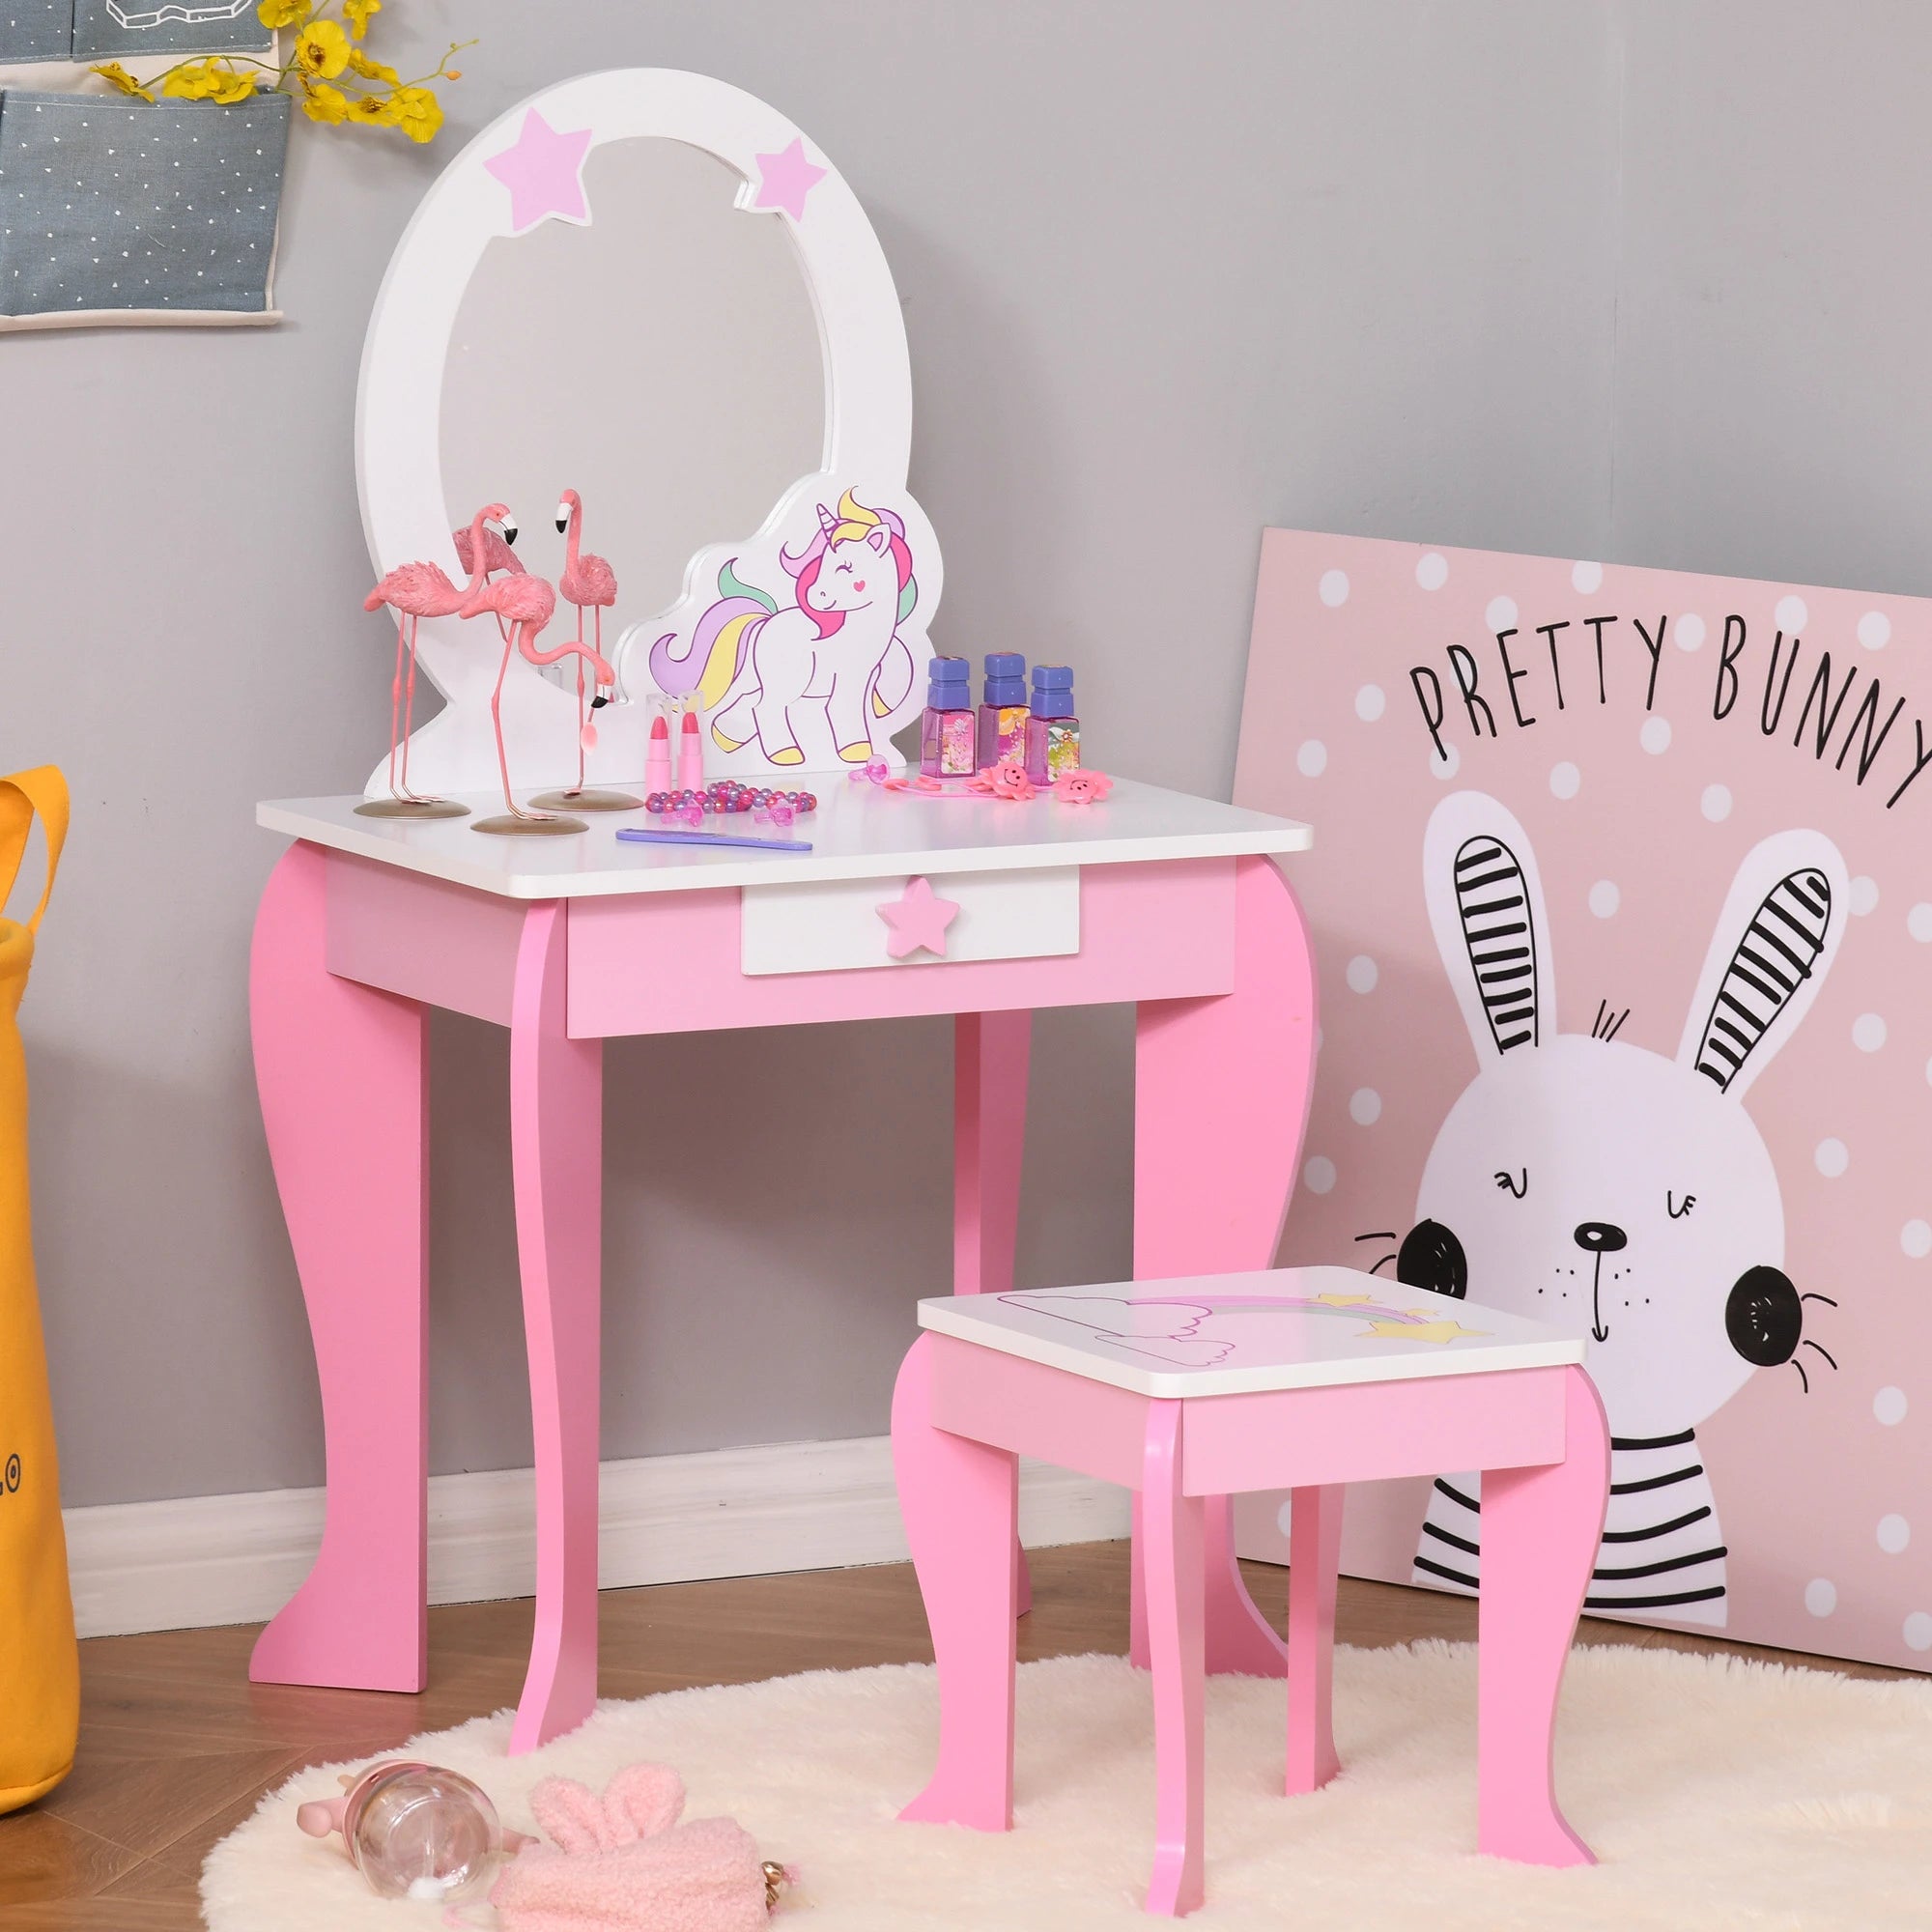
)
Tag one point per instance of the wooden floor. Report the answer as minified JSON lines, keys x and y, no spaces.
{"x":176,"y":1744}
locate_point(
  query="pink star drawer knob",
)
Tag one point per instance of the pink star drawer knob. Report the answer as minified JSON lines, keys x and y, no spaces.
{"x":917,"y":917}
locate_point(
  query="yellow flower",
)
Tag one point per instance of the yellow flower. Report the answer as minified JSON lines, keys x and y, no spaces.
{"x":229,"y":84}
{"x":278,"y":13}
{"x":117,"y":76}
{"x":322,"y":50}
{"x":324,"y":104}
{"x":193,"y":80}
{"x":372,"y":110}
{"x":418,"y":113}
{"x":358,"y":13}
{"x":371,"y":69}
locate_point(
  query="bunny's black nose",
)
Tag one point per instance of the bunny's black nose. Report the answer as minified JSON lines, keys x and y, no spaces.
{"x":1600,"y":1238}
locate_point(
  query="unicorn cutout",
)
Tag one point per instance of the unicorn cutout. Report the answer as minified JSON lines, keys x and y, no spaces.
{"x":833,"y":655}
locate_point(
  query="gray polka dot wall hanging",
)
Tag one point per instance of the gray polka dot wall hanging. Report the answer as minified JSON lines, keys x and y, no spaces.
{"x":129,"y":212}
{"x":159,"y":202}
{"x":35,"y":30}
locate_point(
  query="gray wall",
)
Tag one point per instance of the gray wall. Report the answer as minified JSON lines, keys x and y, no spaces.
{"x":1594,"y":279}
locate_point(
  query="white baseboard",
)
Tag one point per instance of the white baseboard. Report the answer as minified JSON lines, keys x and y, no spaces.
{"x":237,"y":1559}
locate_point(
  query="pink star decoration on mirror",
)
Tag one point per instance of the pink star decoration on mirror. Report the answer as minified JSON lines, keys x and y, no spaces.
{"x":543,"y":172}
{"x":786,"y":178}
{"x":918,"y":918}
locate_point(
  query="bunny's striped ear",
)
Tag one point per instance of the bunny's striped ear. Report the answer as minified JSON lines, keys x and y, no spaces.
{"x":1485,"y":906}
{"x":1775,"y":942}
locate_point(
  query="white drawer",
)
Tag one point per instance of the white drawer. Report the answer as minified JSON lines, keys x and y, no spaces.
{"x":834,"y":927}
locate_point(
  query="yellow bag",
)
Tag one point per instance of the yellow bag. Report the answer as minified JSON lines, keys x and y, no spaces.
{"x":40,"y":1667}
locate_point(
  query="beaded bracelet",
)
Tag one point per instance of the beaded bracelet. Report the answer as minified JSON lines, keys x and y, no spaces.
{"x":723,"y":795}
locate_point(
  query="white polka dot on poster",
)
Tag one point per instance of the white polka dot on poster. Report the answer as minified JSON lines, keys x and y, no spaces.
{"x":1284,"y":1517}
{"x":1501,"y":613}
{"x":1832,"y":1158}
{"x":1874,"y":630}
{"x":1362,"y":973}
{"x":1318,"y":1174}
{"x":1365,"y":1106}
{"x":1791,"y":614}
{"x":1605,"y":899}
{"x":1655,"y":737}
{"x":1586,"y":577}
{"x":1565,"y":779}
{"x":1889,"y":1406}
{"x":1894,"y":1534}
{"x":1821,"y":1595}
{"x":1715,"y":804}
{"x":1690,"y":631}
{"x":1916,"y":1238}
{"x":1312,"y":759}
{"x":1333,"y":588}
{"x":1445,"y":764}
{"x":1917,"y":1631}
{"x":1918,"y":922}
{"x":1432,"y":570}
{"x":1868,"y":1032}
{"x":1369,"y":703}
{"x":1863,"y":898}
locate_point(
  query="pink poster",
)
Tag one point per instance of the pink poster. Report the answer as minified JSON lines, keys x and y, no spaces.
{"x":1622,"y":893}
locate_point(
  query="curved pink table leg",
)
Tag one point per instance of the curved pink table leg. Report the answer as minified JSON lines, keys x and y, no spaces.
{"x":556,"y":1140}
{"x":340,"y":1070}
{"x":1540,"y":1533}
{"x":990,"y":1052}
{"x":1222,"y":1088}
{"x":1173,"y":1525}
{"x":1314,"y":1559}
{"x":960,"y":1501}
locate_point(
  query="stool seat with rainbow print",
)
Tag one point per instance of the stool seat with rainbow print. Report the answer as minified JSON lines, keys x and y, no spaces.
{"x":1190,"y":1390}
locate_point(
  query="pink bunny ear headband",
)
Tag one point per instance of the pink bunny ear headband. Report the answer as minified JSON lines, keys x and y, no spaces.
{"x":623,"y":1862}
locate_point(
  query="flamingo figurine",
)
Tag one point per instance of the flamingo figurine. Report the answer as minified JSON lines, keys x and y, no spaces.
{"x":591,"y":584}
{"x":414,"y":591}
{"x":528,"y":600}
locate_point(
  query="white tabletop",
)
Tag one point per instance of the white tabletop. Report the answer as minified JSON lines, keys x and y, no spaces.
{"x":859,"y":831}
{"x":1232,"y":1334}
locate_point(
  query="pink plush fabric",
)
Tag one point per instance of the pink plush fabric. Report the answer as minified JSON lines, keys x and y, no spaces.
{"x":624,"y":1864}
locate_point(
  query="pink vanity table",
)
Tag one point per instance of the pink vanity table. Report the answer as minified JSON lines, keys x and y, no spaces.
{"x":1152,"y":896}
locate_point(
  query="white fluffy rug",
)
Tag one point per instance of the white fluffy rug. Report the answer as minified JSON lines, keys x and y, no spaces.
{"x":1717,"y":1794}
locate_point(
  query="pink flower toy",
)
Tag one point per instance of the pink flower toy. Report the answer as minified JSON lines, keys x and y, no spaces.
{"x":1008,"y":780}
{"x":624,"y":1864}
{"x":1083,"y":788}
{"x":414,"y":1831}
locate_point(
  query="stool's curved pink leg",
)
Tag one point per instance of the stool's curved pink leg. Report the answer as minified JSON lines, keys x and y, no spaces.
{"x":960,"y":1501}
{"x":557,"y":1141}
{"x":1176,"y":1641}
{"x":1539,"y":1534}
{"x":990,"y":1052}
{"x":1314,"y":1557}
{"x":340,"y":1070}
{"x":1222,"y":1088}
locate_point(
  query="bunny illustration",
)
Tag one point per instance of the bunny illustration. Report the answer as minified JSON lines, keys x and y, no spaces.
{"x":1604,"y":1187}
{"x":624,"y":1861}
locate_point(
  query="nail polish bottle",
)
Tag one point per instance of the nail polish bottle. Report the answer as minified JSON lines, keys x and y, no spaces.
{"x":1003,"y":709}
{"x":1053,"y":731}
{"x":946,"y":735}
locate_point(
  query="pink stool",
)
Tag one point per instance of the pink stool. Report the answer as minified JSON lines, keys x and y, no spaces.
{"x":1299,"y":1379}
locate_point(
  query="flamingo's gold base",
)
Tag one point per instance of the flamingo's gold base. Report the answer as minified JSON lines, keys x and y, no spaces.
{"x":591,"y":799}
{"x":508,"y":825}
{"x":412,"y":808}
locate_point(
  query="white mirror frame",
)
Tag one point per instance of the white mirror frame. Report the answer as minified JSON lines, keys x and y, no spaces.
{"x":398,"y":453}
